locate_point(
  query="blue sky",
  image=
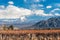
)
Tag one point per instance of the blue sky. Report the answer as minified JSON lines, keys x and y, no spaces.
{"x":29,"y":10}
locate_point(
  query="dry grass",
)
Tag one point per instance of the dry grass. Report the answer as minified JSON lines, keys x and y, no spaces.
{"x":28,"y":31}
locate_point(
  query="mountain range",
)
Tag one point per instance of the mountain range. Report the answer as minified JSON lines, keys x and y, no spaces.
{"x":16,"y":22}
{"x":53,"y":22}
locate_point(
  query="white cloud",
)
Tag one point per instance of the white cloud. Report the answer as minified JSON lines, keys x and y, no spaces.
{"x":42,"y":13}
{"x":25,"y":0}
{"x":36,"y":0}
{"x":56,"y":9}
{"x":55,"y":12}
{"x":39,"y":0}
{"x":2,"y":6}
{"x":48,"y":6}
{"x":11,"y":2}
{"x":40,"y":5}
{"x":37,"y":6}
{"x":23,"y":19}
{"x":39,"y":12}
{"x":13,"y":12}
{"x":33,"y":6}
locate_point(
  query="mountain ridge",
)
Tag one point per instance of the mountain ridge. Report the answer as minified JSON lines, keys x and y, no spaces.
{"x":53,"y":22}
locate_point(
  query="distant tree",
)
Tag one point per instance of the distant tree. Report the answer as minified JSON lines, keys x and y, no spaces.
{"x":11,"y":27}
{"x":4,"y":27}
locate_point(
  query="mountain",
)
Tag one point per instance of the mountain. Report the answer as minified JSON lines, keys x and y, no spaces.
{"x":53,"y":22}
{"x":16,"y":22}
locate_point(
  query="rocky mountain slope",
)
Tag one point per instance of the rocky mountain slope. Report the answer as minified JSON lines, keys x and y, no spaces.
{"x":53,"y":22}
